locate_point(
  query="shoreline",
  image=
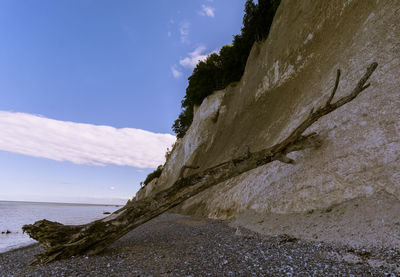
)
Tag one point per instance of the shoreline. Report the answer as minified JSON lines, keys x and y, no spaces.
{"x":31,"y":245}
{"x":176,"y":245}
{"x":16,"y":214}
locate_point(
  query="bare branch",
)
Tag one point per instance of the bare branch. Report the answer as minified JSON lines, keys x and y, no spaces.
{"x":366,"y":86}
{"x":334,"y":88}
{"x":359,"y":87}
{"x":320,"y":112}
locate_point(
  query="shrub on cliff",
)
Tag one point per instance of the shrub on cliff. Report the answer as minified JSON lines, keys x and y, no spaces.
{"x":219,"y":70}
{"x":155,"y":174}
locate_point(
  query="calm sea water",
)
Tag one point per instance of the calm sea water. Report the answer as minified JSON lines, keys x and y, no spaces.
{"x":13,"y":215}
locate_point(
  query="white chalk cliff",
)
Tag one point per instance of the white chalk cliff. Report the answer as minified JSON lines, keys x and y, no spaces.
{"x":286,"y":75}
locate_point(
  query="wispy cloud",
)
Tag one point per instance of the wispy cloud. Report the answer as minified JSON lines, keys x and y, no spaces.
{"x":184,"y":31}
{"x":194,"y":57}
{"x":207,"y":11}
{"x":171,"y":22}
{"x":175,"y":72}
{"x":81,"y":143}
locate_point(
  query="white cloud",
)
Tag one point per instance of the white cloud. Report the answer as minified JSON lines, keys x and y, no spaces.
{"x":169,"y":34}
{"x":81,"y":143}
{"x":112,"y":188}
{"x":194,"y":57}
{"x":184,"y":31}
{"x":175,"y":72}
{"x":207,"y":11}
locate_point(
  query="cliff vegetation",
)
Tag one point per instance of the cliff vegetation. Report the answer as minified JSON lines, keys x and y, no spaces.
{"x":219,"y":70}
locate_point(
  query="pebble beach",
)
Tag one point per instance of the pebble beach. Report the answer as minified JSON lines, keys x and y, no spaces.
{"x":176,"y":245}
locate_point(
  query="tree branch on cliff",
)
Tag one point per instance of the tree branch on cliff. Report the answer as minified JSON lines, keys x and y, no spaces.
{"x":64,"y":241}
{"x":334,"y":88}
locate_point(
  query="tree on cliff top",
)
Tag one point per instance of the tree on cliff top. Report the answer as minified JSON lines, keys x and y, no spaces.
{"x":219,"y":70}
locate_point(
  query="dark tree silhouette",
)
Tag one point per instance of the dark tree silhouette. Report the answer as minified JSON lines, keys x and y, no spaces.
{"x":219,"y":70}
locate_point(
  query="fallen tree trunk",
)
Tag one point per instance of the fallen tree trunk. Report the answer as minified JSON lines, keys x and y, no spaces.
{"x":63,"y":241}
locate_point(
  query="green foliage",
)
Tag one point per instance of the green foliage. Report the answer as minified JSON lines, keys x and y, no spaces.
{"x":219,"y":70}
{"x":183,"y":122}
{"x":155,"y":174}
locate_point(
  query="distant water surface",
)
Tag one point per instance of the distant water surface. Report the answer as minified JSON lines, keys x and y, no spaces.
{"x":13,"y":215}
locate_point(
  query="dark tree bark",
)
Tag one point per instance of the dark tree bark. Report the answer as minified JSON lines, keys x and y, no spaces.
{"x":64,"y":241}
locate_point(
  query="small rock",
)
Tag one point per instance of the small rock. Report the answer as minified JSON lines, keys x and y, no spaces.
{"x":351,"y":259}
{"x":238,"y":233}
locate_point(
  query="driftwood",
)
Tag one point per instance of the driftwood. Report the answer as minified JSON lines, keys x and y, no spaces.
{"x":64,"y":241}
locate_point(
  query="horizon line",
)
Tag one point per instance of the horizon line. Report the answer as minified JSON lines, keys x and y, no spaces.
{"x":65,"y":203}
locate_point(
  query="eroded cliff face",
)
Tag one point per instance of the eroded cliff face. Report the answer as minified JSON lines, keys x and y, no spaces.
{"x":288,"y":74}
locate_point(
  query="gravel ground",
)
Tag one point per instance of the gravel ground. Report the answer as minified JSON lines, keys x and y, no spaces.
{"x":175,"y":245}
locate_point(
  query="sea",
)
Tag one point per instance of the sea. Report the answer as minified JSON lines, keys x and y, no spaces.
{"x":15,"y":214}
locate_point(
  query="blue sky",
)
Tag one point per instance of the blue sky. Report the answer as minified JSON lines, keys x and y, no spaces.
{"x":89,"y":90}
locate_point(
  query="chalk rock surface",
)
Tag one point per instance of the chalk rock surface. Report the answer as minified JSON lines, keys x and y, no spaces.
{"x":287,"y":75}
